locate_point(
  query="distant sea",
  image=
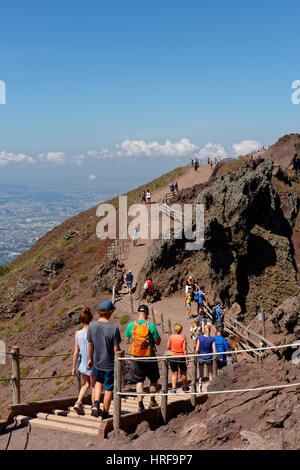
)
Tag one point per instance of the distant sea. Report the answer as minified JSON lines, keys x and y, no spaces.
{"x":27,"y":212}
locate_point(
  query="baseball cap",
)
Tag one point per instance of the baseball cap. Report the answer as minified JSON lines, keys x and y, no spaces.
{"x":143,"y":308}
{"x":106,"y":306}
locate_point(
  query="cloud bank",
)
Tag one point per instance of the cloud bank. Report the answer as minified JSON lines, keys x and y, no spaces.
{"x":184,"y":148}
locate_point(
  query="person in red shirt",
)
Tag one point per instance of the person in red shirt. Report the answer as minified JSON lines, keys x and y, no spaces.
{"x":178,"y":348}
{"x":148,"y":290}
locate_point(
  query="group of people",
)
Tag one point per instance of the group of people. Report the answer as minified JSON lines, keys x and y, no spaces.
{"x":98,"y":341}
{"x":173,"y":188}
{"x":211,"y":161}
{"x":146,"y":196}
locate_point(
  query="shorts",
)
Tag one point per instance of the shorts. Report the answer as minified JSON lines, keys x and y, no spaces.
{"x":222,"y":364}
{"x":200,"y":304}
{"x":202,"y":361}
{"x":187,"y":304}
{"x":105,"y":377}
{"x":129,"y":284}
{"x":140,"y":370}
{"x":178,"y":363}
{"x":149,"y":292}
{"x":143,"y":199}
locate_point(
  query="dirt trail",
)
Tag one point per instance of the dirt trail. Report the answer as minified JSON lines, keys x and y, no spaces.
{"x":173,"y":307}
{"x":137,"y":255}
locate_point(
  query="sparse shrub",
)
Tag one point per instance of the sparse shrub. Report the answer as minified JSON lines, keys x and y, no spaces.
{"x":41,"y":308}
{"x":4,"y":270}
{"x":82,"y":278}
{"x":25,"y":371}
{"x":66,"y":290}
{"x":57,"y":382}
{"x":2,"y":327}
{"x":124,"y":319}
{"x":47,"y":356}
{"x":89,"y":249}
{"x":75,"y":265}
{"x":4,"y":380}
{"x":54,"y":285}
{"x":61,"y":311}
{"x":71,"y":247}
{"x":65,"y":357}
{"x":50,"y":325}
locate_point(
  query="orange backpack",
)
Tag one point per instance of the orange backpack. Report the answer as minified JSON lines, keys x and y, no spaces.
{"x":140,"y":342}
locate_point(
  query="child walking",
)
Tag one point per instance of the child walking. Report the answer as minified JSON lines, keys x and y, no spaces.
{"x":81,"y":354}
{"x":188,"y":302}
{"x":196,"y":331}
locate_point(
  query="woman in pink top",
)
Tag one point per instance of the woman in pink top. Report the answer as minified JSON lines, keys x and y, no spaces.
{"x":177,"y":346}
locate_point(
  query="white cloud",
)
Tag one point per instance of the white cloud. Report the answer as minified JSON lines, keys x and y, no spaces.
{"x":212,"y":150}
{"x":104,"y":153}
{"x":9,"y":157}
{"x":92,"y":177}
{"x":133,"y":148}
{"x":53,"y":157}
{"x":245,"y":147}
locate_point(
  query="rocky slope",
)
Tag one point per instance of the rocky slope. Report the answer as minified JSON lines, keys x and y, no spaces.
{"x":248,"y":255}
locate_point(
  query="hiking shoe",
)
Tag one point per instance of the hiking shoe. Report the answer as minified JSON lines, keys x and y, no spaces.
{"x":78,"y":407}
{"x":173,"y":390}
{"x":105,"y":415}
{"x":141,"y":406}
{"x":185,"y":388}
{"x":153,"y":403}
{"x":95,"y":411}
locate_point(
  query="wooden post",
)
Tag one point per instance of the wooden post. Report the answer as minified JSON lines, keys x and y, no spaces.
{"x":131,"y":304}
{"x":164,"y":389}
{"x":215,"y":366}
{"x":194,"y":380}
{"x":170,"y":326}
{"x":113,"y":294}
{"x":153,"y":316}
{"x":16,"y":383}
{"x":162,"y":322}
{"x":118,"y":388}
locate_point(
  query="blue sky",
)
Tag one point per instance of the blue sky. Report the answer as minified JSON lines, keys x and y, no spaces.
{"x":87,"y":76}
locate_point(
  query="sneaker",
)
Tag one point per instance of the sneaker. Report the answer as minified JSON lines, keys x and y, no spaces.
{"x":95,"y":411}
{"x":173,"y":390}
{"x":153,"y":403}
{"x":141,"y":406}
{"x":78,"y":407}
{"x":185,"y":388}
{"x":105,"y":415}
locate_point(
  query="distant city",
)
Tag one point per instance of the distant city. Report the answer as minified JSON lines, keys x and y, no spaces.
{"x":27,"y":212}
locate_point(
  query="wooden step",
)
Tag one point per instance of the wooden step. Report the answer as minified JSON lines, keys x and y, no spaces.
{"x":69,"y":420}
{"x":57,"y":426}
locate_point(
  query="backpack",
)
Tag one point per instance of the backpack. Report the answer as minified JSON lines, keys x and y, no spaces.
{"x":140,"y":344}
{"x":214,"y":315}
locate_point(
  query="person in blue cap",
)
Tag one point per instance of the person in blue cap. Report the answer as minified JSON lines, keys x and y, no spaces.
{"x":103,"y":341}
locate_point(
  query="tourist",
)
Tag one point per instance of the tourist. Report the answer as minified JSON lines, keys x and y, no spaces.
{"x":217,"y":316}
{"x":81,"y":355}
{"x":188,"y":302}
{"x":191,"y":283}
{"x":177,"y":346}
{"x":134,"y":236}
{"x":148,"y":287}
{"x":199,"y":299}
{"x":129,"y":281}
{"x":221,"y":347}
{"x":142,"y":335}
{"x":148,"y":196}
{"x":176,"y":187}
{"x":196,"y":330}
{"x":144,"y":196}
{"x":206,"y":345}
{"x":104,"y":340}
{"x":172,"y":188}
{"x":204,"y":319}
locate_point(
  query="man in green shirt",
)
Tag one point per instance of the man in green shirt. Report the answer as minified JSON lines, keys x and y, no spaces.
{"x":142,"y":369}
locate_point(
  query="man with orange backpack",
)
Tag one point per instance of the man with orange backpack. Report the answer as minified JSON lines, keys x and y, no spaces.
{"x":142,"y":335}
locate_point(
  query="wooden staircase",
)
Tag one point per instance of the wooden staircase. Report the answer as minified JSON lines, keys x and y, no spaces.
{"x":69,"y":421}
